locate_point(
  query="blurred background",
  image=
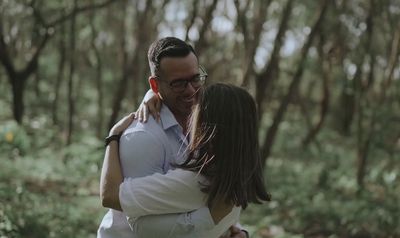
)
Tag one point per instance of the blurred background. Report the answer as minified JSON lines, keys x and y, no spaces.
{"x":325,"y":75}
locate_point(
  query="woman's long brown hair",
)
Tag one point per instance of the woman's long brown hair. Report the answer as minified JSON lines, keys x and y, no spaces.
{"x":224,"y":146}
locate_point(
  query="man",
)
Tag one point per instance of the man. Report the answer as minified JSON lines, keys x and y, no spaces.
{"x":147,"y":148}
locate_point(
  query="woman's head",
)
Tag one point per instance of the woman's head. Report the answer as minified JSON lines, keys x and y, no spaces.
{"x":224,"y":145}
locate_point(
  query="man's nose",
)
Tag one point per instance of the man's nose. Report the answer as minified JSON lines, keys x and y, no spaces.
{"x":190,"y":89}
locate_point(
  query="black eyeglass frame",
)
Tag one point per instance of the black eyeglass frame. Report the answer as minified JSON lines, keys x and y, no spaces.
{"x":177,"y":85}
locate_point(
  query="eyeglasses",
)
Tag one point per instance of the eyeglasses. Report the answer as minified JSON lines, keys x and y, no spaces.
{"x":196,"y":81}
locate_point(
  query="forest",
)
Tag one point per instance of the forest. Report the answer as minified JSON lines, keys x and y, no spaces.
{"x":325,"y":76}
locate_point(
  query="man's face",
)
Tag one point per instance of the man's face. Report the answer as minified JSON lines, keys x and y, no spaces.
{"x":174,"y":69}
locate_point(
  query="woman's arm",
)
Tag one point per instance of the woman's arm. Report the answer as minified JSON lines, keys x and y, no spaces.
{"x":189,"y":223}
{"x":176,"y":191}
{"x":197,"y":223}
{"x":157,"y":194}
{"x":111,"y":173}
{"x":151,"y":104}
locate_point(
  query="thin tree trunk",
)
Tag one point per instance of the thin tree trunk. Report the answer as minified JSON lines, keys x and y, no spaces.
{"x":364,"y":134}
{"x":325,"y":69}
{"x":242,"y":22}
{"x":37,"y":83}
{"x":140,"y":60}
{"x":60,"y":75}
{"x":122,"y":86}
{"x":193,"y":16}
{"x":347,"y":103}
{"x":201,"y":43}
{"x":270,"y":72}
{"x":18,"y":89}
{"x":131,"y":67}
{"x":271,"y":133}
{"x":362,"y":155}
{"x":98,"y":79}
{"x":393,"y":60}
{"x":252,"y":43}
{"x":71,"y":98}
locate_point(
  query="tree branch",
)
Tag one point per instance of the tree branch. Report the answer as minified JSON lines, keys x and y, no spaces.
{"x":71,"y":14}
{"x":242,"y":22}
{"x":192,"y":18}
{"x":32,"y":64}
{"x":200,"y":44}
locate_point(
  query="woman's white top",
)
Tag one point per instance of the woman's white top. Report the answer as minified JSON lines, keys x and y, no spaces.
{"x":177,"y":191}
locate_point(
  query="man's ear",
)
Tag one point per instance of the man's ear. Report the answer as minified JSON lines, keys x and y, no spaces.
{"x":153,"y":84}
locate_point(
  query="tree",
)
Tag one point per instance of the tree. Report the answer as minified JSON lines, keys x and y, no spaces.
{"x":45,"y":30}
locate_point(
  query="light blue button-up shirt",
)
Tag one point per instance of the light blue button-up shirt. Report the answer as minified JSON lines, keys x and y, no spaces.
{"x":145,"y":149}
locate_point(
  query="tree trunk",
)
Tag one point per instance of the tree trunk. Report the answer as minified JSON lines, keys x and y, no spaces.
{"x":364,"y":134}
{"x":71,"y":98}
{"x":37,"y":83}
{"x":193,"y":16}
{"x":393,"y":61}
{"x":132,"y":67}
{"x":16,"y":78}
{"x":271,"y":133}
{"x":125,"y":70}
{"x":326,"y":72}
{"x":201,"y":43}
{"x":251,"y":43}
{"x":98,"y":79}
{"x":60,"y":74}
{"x":270,"y":72}
{"x":18,"y":87}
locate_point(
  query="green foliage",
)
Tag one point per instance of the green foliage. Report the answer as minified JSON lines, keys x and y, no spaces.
{"x":51,"y":192}
{"x":13,"y":139}
{"x":315,"y":192}
{"x":48,"y":189}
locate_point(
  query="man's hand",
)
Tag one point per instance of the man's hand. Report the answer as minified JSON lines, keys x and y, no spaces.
{"x":238,"y":233}
{"x":235,"y":232}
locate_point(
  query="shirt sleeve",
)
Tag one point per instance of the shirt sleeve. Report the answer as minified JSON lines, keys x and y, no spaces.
{"x":141,"y":154}
{"x":175,"y":192}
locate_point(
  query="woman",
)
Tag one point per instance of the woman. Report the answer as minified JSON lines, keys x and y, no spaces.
{"x":223,"y":164}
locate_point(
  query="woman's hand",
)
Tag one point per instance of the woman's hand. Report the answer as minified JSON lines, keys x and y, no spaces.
{"x":150,"y":104}
{"x":122,"y":124}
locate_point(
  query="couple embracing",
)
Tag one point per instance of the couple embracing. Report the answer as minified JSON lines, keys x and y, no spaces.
{"x":189,"y":170}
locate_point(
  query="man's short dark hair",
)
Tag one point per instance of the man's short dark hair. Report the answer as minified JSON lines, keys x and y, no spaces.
{"x":167,"y":47}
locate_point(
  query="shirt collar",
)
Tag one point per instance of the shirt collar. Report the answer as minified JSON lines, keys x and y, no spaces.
{"x":167,"y":118}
